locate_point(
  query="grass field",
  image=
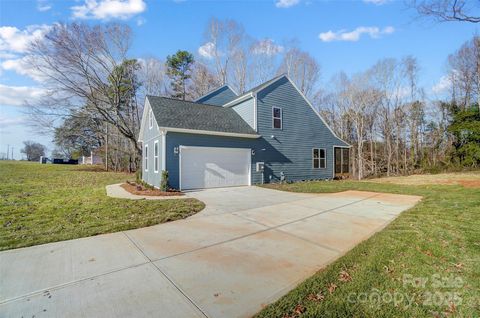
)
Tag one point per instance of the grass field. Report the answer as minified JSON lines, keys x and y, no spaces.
{"x":424,"y":264}
{"x":48,"y":203}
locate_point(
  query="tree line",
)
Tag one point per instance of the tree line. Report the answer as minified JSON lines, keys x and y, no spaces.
{"x":96,"y":93}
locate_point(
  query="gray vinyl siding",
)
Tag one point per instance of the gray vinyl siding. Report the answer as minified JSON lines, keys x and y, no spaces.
{"x":182,"y":139}
{"x":302,"y":130}
{"x":150,"y":135}
{"x":219,"y":97}
{"x":246,"y":110}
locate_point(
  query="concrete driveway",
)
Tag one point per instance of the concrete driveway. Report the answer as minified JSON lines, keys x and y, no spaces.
{"x":246,"y":249}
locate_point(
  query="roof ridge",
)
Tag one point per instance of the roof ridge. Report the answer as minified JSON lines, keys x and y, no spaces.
{"x":186,"y":101}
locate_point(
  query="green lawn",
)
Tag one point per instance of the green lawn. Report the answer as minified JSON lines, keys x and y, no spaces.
{"x":48,"y":203}
{"x":437,"y":240}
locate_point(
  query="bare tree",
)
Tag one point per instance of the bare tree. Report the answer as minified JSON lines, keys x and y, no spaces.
{"x":203,"y":81}
{"x":448,"y":10}
{"x":152,"y":75}
{"x":225,"y":42}
{"x":33,"y":150}
{"x":264,"y":68}
{"x":358,"y":101}
{"x":302,"y":68}
{"x":88,"y":65}
{"x":464,"y":70}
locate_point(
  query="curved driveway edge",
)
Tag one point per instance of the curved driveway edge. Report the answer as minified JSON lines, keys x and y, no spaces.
{"x":249,"y":247}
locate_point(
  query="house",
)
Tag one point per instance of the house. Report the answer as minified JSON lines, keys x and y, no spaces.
{"x":268,"y":134}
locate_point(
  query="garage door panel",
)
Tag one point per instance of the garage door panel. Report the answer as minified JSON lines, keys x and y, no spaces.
{"x":205,"y":167}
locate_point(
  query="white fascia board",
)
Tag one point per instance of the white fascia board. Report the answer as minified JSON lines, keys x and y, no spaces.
{"x":208,"y":132}
{"x":255,"y":115}
{"x":163,"y":135}
{"x":146,"y":107}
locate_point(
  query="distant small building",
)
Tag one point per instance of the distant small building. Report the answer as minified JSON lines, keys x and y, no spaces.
{"x":93,"y":159}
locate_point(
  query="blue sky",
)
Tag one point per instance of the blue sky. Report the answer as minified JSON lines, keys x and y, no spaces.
{"x":355,"y":34}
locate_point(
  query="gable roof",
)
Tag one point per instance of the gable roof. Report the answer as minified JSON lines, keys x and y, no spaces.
{"x":179,"y":114}
{"x":265,"y":84}
{"x":219,"y":96}
{"x":251,"y":92}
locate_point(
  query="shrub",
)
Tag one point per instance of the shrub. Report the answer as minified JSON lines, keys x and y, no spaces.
{"x":138,"y":176}
{"x":164,"y":181}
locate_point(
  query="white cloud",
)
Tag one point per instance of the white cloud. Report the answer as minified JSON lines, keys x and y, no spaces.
{"x":11,"y":121}
{"x":17,"y":41}
{"x":343,"y":35}
{"x":43,"y":5}
{"x":22,"y":66}
{"x":376,"y":2}
{"x":443,"y":85}
{"x":286,"y":3}
{"x":266,"y":47}
{"x":108,"y":9}
{"x":17,"y":95}
{"x":5,"y":55}
{"x":207,"y":50}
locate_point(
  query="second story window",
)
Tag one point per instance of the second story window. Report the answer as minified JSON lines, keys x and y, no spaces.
{"x":277,"y":117}
{"x":150,"y":119}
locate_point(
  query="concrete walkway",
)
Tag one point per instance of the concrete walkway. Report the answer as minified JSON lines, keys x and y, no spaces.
{"x":116,"y":191}
{"x":247,"y":248}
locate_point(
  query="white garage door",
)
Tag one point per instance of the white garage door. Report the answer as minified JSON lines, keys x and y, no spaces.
{"x":207,"y":167}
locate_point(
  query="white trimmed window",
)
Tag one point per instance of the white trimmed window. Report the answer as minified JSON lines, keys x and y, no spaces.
{"x":145,"y":155}
{"x":277,"y":117}
{"x":150,"y":119}
{"x":319,"y":157}
{"x":155,"y":156}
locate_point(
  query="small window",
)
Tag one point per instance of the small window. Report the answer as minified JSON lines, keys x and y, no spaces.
{"x":277,"y":117}
{"x":319,"y":158}
{"x":150,"y":119}
{"x":145,"y":155}
{"x":155,"y":156}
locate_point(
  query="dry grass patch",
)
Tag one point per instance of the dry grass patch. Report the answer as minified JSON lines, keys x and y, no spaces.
{"x":466,"y":179}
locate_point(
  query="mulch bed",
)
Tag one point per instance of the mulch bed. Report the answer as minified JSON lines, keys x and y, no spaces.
{"x":137,"y":189}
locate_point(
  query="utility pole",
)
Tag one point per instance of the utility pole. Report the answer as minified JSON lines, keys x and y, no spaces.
{"x":8,"y":150}
{"x":106,"y":146}
{"x":12,"y":152}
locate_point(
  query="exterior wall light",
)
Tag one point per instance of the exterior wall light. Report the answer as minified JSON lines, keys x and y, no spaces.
{"x":175,"y":150}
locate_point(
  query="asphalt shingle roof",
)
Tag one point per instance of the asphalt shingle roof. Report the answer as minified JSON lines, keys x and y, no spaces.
{"x":174,"y":113}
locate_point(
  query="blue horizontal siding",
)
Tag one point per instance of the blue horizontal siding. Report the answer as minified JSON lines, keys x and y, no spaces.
{"x":262,"y":149}
{"x":246,"y":110}
{"x":150,"y":135}
{"x":302,"y":131}
{"x":219,"y":97}
{"x":287,"y":150}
